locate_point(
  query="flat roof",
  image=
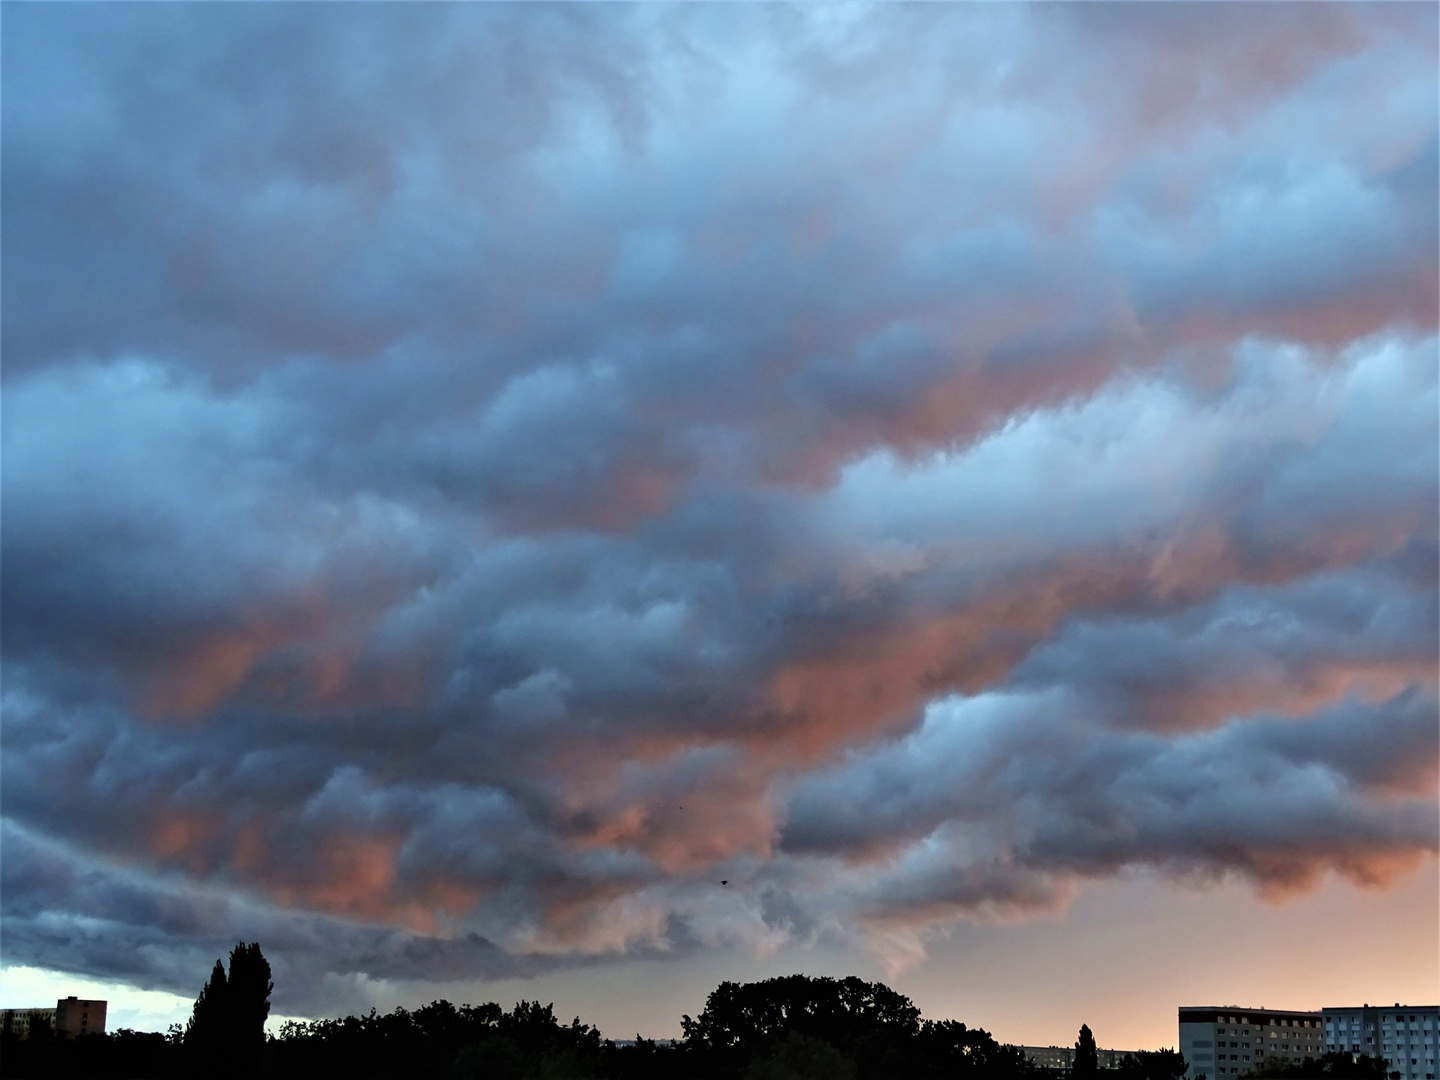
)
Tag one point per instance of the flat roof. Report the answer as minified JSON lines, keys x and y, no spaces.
{"x":1250,"y":1008}
{"x":1211,"y":1014}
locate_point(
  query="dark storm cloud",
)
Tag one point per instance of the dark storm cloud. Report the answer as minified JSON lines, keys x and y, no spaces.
{"x":137,"y":928}
{"x":476,"y":475}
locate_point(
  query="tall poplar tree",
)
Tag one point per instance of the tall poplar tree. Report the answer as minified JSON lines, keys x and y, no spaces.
{"x":226,"y":1034}
{"x":1087,"y":1058}
{"x":205,"y":1034}
{"x":248,"y":997}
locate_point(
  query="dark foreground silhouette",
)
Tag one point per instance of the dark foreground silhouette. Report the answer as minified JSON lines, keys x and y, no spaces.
{"x":790,"y":1028}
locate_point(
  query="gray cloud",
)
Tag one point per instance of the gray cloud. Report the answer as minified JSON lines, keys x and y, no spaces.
{"x":1068,"y":798}
{"x":474,"y":476}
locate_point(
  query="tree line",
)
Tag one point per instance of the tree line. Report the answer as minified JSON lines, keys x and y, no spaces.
{"x":795,"y":1027}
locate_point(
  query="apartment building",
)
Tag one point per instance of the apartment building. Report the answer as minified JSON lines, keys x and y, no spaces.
{"x":1407,"y":1036}
{"x":1230,"y":1040}
{"x":1063,"y":1057}
{"x":71,"y":1016}
{"x":17,"y":1021}
{"x":74,"y":1016}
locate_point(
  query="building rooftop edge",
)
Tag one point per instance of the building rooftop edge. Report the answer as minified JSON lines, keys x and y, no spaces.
{"x":1260,"y":1008}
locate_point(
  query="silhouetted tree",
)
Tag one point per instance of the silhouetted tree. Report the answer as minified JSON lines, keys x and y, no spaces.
{"x":248,"y":993}
{"x":791,"y":1027}
{"x":947,"y":1048}
{"x":1087,"y":1058}
{"x":1152,"y":1065}
{"x":497,"y":1058}
{"x":645,"y":1060}
{"x":800,"y":1058}
{"x":749,"y":1017}
{"x":205,"y":1034}
{"x":749,"y":1027}
{"x":440,"y":1041}
{"x":1340,"y":1066}
{"x":226,"y":1033}
{"x":118,"y":1055}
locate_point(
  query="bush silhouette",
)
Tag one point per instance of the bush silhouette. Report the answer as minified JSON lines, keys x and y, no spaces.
{"x":801,"y":1058}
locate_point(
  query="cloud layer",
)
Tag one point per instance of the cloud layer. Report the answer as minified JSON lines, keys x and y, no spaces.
{"x":475,"y":477}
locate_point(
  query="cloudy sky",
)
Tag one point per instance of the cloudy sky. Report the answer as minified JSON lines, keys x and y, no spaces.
{"x":584,"y":501}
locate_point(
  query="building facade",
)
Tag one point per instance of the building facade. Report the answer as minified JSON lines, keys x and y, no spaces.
{"x":71,"y":1016}
{"x":1062,"y":1058}
{"x":17,"y":1021}
{"x":76,"y":1017}
{"x":1407,"y":1036}
{"x":1230,"y":1040}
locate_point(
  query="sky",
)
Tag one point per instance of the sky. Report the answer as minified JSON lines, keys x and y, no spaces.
{"x":582,"y":502}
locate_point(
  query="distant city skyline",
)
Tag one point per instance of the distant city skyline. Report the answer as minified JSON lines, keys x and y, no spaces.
{"x":581,"y":502}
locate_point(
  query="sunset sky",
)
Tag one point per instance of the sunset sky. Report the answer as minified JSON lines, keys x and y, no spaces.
{"x":580,"y":502}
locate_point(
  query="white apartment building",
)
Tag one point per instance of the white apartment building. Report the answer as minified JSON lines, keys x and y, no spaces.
{"x":1407,"y":1036}
{"x":1220,"y":1041}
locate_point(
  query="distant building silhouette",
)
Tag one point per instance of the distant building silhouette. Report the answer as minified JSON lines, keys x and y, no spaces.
{"x":1062,"y":1058}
